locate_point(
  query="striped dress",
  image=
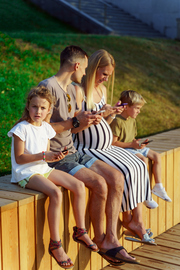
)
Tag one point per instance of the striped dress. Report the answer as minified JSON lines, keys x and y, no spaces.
{"x":96,"y":141}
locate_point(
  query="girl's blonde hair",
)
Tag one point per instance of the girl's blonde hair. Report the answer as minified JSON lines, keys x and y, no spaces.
{"x":39,"y":91}
{"x":99,"y":59}
{"x":131,"y":97}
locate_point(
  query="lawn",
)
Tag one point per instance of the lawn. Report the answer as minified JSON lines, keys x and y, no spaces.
{"x":30,"y":48}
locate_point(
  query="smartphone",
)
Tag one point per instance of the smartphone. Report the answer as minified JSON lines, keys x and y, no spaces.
{"x":123,"y":104}
{"x":65,"y":150}
{"x":147,"y":142}
{"x":100,"y":112}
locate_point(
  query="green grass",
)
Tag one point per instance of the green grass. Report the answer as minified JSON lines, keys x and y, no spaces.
{"x":31,"y":54}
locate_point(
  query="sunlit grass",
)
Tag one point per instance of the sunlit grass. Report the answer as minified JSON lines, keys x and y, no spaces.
{"x":149,"y":66}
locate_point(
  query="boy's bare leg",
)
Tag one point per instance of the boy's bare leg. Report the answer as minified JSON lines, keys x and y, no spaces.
{"x":156,"y":158}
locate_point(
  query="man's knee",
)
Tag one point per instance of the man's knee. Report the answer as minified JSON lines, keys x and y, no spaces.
{"x":100,"y":186}
{"x":117,"y":180}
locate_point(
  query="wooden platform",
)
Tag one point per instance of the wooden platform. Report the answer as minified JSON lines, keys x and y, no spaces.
{"x":165,"y":141}
{"x":164,"y":256}
{"x":24,"y":232}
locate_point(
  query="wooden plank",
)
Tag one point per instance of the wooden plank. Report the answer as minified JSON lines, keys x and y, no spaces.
{"x":43,"y":259}
{"x":177,"y":226}
{"x":27,"y":236}
{"x":152,"y":263}
{"x":9,"y":229}
{"x":25,"y":210}
{"x":157,"y":257}
{"x":71,"y":247}
{"x":21,"y":198}
{"x":167,"y":243}
{"x":161,"y":211}
{"x":170,"y":237}
{"x":128,"y":267}
{"x":161,"y":249}
{"x":176,"y":209}
{"x":169,"y":188}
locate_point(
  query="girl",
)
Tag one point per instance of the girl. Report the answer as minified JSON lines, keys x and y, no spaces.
{"x":29,"y":156}
{"x":96,"y":141}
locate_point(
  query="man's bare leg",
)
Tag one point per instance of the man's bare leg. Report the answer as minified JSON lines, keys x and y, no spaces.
{"x":115,"y":182}
{"x":97,"y":203}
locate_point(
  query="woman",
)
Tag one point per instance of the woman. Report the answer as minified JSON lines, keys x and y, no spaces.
{"x":96,"y":141}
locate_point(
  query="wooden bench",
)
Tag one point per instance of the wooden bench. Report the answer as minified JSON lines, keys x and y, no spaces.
{"x":24,"y":233}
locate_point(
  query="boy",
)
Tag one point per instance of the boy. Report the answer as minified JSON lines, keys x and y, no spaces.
{"x":124,"y":133}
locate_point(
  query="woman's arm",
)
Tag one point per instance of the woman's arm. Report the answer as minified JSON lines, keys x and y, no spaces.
{"x":111,"y":112}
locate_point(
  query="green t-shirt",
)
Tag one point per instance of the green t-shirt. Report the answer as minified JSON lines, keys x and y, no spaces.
{"x":124,"y":129}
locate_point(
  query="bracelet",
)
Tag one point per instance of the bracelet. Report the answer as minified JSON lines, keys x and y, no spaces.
{"x":113,"y":117}
{"x":44,"y":156}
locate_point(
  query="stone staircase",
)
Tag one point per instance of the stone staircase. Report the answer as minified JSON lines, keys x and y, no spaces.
{"x":121,"y":22}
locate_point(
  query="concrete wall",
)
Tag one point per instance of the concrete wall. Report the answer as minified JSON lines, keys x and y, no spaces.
{"x":161,"y":14}
{"x":78,"y":19}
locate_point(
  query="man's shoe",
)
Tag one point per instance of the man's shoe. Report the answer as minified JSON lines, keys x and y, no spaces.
{"x":160,"y":192}
{"x":151,"y":204}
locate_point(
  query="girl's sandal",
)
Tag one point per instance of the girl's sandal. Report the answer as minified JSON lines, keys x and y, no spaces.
{"x":55,"y":245}
{"x":78,"y":232}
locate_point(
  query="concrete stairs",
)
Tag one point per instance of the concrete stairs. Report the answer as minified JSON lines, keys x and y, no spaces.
{"x":121,"y":22}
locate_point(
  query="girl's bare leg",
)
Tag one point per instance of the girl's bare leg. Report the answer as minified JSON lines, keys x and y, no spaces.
{"x":40,"y":183}
{"x":78,"y":189}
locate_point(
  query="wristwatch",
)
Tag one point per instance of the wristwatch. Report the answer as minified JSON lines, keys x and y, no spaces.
{"x":75,"y":122}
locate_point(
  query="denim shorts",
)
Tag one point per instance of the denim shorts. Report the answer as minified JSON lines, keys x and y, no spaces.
{"x":73,"y":163}
{"x":143,"y":151}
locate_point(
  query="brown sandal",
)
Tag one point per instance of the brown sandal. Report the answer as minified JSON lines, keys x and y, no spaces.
{"x":78,"y":232}
{"x":55,"y":245}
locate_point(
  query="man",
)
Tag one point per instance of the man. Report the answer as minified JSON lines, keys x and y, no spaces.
{"x":105,"y":183}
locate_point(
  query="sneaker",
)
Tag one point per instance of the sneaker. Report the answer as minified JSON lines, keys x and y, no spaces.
{"x":151,"y":204}
{"x":160,"y":192}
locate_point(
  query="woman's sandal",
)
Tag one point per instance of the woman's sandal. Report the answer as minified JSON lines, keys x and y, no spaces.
{"x":55,"y":245}
{"x":78,"y":232}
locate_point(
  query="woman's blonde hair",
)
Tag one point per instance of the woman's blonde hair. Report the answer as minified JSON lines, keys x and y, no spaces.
{"x":99,"y":59}
{"x":132,"y":97}
{"x":39,"y":91}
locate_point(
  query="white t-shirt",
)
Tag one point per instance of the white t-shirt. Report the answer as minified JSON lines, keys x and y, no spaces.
{"x":36,"y":141}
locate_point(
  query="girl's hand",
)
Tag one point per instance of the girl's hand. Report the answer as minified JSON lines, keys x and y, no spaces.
{"x":54,"y":156}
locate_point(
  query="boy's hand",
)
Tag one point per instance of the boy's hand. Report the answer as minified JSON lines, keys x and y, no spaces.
{"x":137,"y":145}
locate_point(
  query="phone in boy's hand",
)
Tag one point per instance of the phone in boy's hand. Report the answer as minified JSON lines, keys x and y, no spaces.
{"x":146,"y":142}
{"x":123,"y":104}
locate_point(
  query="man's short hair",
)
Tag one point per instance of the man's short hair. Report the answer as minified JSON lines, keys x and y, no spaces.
{"x":71,"y":54}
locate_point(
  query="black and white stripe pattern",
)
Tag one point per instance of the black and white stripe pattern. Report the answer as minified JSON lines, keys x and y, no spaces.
{"x":96,"y":142}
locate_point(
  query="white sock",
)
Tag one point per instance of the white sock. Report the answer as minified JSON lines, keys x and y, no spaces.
{"x":159,"y":185}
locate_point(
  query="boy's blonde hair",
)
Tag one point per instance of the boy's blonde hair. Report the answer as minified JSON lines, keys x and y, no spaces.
{"x":99,"y":59}
{"x":132,"y":97}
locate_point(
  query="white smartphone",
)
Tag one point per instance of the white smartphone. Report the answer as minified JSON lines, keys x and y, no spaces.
{"x":100,"y":112}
